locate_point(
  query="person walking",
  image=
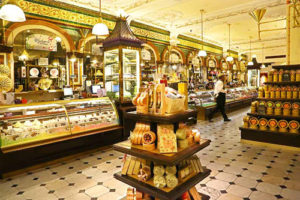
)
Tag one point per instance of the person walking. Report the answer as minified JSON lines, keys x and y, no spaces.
{"x":220,"y":95}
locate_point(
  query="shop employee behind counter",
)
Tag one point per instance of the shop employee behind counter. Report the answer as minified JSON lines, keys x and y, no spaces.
{"x":220,"y":95}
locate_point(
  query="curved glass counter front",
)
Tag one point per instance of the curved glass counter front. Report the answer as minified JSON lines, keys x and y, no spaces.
{"x":27,"y":124}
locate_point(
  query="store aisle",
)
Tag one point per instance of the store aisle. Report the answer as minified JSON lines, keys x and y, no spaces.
{"x":239,"y":171}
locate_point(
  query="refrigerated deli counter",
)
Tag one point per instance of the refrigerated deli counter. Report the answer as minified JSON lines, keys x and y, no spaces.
{"x":32,"y":133}
{"x":235,"y":98}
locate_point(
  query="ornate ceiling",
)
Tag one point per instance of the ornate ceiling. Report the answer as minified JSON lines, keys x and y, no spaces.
{"x":183,"y":17}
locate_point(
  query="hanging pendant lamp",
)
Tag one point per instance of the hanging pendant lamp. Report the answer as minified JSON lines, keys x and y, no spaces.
{"x":229,"y":58}
{"x":262,"y":55}
{"x":250,"y":63}
{"x":202,"y":53}
{"x":12,"y":13}
{"x":100,"y":29}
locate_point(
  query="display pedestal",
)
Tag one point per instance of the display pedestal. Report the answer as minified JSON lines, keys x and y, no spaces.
{"x":164,"y":159}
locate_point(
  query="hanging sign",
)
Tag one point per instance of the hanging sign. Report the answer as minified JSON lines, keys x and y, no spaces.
{"x":41,"y":42}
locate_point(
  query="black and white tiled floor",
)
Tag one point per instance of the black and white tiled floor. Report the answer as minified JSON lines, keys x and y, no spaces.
{"x":239,"y":171}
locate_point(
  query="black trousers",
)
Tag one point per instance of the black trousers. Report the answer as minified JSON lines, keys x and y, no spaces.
{"x":221,"y":99}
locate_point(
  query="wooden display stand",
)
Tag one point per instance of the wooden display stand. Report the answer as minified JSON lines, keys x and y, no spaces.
{"x":274,"y":136}
{"x":166,"y":159}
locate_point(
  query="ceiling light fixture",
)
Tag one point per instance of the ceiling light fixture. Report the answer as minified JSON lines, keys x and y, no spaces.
{"x":73,"y":58}
{"x":12,"y":13}
{"x":100,"y":29}
{"x":229,"y":58}
{"x":24,"y":56}
{"x":250,"y":63}
{"x":262,"y":57}
{"x":202,"y":53}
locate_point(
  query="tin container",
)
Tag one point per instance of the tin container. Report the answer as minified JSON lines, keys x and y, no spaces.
{"x":295,"y":109}
{"x":283,"y":125}
{"x":263,"y":124}
{"x":298,"y":75}
{"x":280,"y":75}
{"x":275,"y":76}
{"x":270,"y":76}
{"x":294,"y":126}
{"x":253,"y":122}
{"x":278,"y":93}
{"x":246,"y":121}
{"x":295,"y":92}
{"x":293,"y":75}
{"x":267,"y":94}
{"x":272,"y":123}
{"x":283,"y":93}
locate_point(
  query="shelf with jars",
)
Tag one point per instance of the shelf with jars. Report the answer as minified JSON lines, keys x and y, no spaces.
{"x":274,"y":116}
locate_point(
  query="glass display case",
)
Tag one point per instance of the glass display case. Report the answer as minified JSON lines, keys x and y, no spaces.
{"x":206,"y":98}
{"x":112,"y":83}
{"x":253,"y":77}
{"x":122,"y":84}
{"x":22,"y":125}
{"x":131,"y":72}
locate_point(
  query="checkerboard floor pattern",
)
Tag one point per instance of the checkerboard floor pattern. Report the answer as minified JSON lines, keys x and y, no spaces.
{"x":239,"y":171}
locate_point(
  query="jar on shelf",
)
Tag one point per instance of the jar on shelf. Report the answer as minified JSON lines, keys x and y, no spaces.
{"x":278,"y":108}
{"x":246,"y":121}
{"x":286,"y":108}
{"x":280,"y":75}
{"x":278,"y":93}
{"x":270,"y":107}
{"x":253,"y":107}
{"x":272,"y":93}
{"x":293,"y":75}
{"x":253,"y":122}
{"x":270,"y":76}
{"x":295,"y":92}
{"x":283,"y":125}
{"x":298,"y":75}
{"x":272,"y":123}
{"x":267,"y":94}
{"x":288,"y":92}
{"x":275,"y":76}
{"x":294,"y":126}
{"x":263,"y":123}
{"x":283,"y":93}
{"x":295,"y":109}
{"x":260,"y":92}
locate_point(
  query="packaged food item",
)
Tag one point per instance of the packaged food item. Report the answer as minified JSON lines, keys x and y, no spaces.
{"x":159,"y":181}
{"x":183,"y":143}
{"x":253,"y":121}
{"x":149,"y":137}
{"x":273,"y":124}
{"x":263,"y":123}
{"x":294,"y":127}
{"x":171,"y":181}
{"x":144,"y":173}
{"x":181,"y":134}
{"x":283,"y":125}
{"x":159,"y":170}
{"x":246,"y":121}
{"x":149,"y":147}
{"x":171,"y":170}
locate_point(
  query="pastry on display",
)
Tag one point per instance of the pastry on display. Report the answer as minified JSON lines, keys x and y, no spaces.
{"x":171,"y":170}
{"x":144,"y":173}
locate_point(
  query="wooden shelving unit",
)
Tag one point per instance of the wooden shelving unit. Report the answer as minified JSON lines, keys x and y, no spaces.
{"x":283,"y":83}
{"x":274,"y":116}
{"x":165,"y":159}
{"x":275,"y":137}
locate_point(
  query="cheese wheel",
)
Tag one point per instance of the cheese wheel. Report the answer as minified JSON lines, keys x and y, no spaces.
{"x":149,"y":137}
{"x":159,"y":170}
{"x":159,"y":181}
{"x":183,"y":143}
{"x":149,"y":147}
{"x":171,"y":181}
{"x":140,"y":138}
{"x":171,"y":170}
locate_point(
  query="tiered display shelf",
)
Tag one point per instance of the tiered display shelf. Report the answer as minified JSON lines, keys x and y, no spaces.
{"x":275,"y":137}
{"x":166,"y":159}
